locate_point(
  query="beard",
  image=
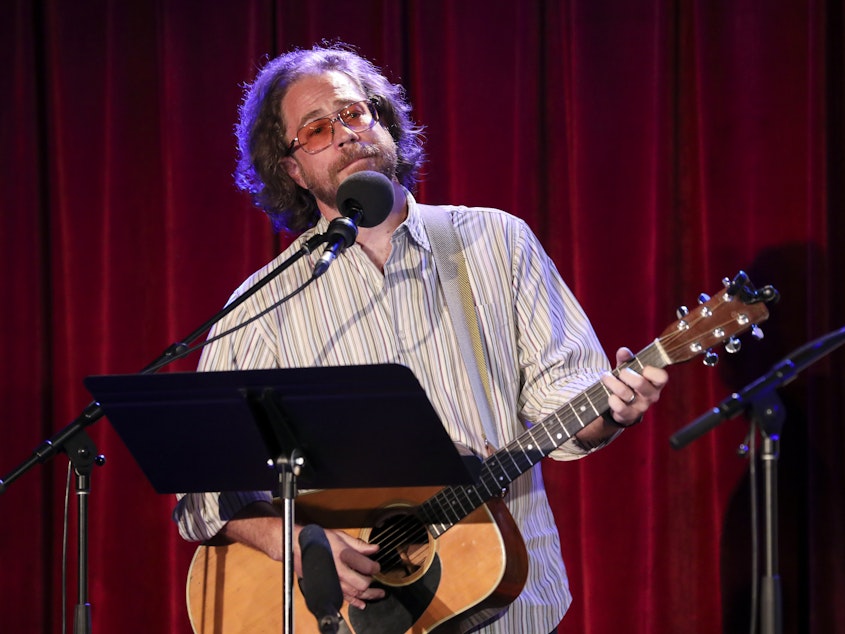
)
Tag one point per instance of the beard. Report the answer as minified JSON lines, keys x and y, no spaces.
{"x":324,"y":185}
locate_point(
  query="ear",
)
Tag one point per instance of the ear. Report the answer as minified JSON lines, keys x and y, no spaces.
{"x":291,"y":166}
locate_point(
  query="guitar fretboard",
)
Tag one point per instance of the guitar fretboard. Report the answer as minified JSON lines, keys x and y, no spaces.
{"x":450,"y":505}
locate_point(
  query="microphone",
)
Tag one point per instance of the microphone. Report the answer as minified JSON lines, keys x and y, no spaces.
{"x":364,"y":199}
{"x":319,"y":584}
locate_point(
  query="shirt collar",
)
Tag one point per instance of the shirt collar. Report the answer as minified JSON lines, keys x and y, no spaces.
{"x":414,"y":223}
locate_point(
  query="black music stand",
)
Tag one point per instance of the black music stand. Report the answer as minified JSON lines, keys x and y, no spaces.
{"x":335,"y":427}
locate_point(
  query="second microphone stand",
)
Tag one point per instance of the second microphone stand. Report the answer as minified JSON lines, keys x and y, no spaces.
{"x":766,"y":410}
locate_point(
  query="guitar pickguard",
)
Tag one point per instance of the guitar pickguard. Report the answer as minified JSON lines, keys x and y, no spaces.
{"x":401,"y":608}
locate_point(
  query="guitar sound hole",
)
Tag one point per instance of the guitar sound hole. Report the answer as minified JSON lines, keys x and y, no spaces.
{"x":406,"y":548}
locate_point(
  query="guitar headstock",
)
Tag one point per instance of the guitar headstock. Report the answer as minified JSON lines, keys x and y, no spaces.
{"x":718,"y":319}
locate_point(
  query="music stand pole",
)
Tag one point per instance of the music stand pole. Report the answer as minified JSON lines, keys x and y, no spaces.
{"x":289,"y":468}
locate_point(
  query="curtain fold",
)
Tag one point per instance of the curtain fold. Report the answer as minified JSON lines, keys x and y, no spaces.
{"x":654,"y":148}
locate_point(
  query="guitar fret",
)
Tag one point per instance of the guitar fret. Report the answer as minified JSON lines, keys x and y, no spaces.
{"x":546,"y":426}
{"x":562,"y":434}
{"x":500,"y":474}
{"x":509,"y":454}
{"x":439,"y":528}
{"x":544,"y":440}
{"x":490,"y":482}
{"x":578,"y":414}
{"x":436,"y":528}
{"x":554,"y":442}
{"x":447,"y":511}
{"x":533,"y":452}
{"x":655,"y":355}
{"x":590,"y":401}
{"x":495,"y":458}
{"x":426,"y":515}
{"x":600,"y":394}
{"x":448,"y":507}
{"x":454,"y":504}
{"x":471,"y":497}
{"x":423,"y":512}
{"x":521,"y":457}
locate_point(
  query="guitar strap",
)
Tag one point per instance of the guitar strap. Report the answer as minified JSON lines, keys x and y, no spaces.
{"x":450,"y":262}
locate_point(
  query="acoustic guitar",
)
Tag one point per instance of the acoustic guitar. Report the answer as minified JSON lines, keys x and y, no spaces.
{"x":452,"y":557}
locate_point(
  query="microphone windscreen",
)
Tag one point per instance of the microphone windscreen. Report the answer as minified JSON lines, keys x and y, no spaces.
{"x":320,"y":585}
{"x":368,"y":192}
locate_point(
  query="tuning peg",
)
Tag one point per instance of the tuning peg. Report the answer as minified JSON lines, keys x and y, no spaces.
{"x":710,"y":358}
{"x":703,"y":298}
{"x":682,"y":312}
{"x":733,"y":345}
{"x":757,"y":332}
{"x":726,"y":281}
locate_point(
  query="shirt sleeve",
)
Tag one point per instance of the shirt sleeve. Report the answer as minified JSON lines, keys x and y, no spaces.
{"x":559,"y":353}
{"x":200,"y":516}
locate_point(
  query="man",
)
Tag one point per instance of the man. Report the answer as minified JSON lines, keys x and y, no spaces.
{"x":311,"y":119}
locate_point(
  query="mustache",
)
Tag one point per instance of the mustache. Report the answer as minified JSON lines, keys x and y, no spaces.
{"x":350,"y":156}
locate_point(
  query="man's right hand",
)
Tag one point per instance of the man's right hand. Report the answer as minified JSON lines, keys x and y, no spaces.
{"x":260,"y":525}
{"x":355,"y":568}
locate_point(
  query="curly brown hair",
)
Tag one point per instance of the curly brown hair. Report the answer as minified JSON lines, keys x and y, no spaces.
{"x":261,"y":139}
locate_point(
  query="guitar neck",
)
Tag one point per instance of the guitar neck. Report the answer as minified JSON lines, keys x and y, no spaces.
{"x":716,"y":320}
{"x":450,"y":505}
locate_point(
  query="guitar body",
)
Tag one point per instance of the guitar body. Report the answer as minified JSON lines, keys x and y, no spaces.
{"x":464,"y":577}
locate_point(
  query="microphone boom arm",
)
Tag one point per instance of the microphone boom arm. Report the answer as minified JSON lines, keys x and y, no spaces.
{"x":779,"y":375}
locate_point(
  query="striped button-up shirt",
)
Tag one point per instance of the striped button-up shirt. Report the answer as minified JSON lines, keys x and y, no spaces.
{"x":540,"y":347}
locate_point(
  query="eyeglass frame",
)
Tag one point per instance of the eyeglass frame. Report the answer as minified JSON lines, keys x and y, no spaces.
{"x":372,"y":106}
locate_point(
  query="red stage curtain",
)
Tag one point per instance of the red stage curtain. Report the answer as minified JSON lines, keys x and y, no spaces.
{"x":655,"y":147}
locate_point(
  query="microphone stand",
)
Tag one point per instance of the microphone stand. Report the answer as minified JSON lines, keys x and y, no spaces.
{"x":768,"y":414}
{"x":81,"y":451}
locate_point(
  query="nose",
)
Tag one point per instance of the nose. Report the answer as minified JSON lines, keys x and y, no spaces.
{"x":341,"y":133}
